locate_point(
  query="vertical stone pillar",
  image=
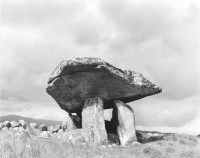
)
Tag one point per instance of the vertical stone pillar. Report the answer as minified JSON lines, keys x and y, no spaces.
{"x":72,"y":122}
{"x":124,"y":121}
{"x":93,"y":121}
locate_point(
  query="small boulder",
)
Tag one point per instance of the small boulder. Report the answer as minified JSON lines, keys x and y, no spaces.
{"x":23,"y":123}
{"x":43,"y":127}
{"x":50,"y":128}
{"x":7,"y":124}
{"x":33,"y":125}
{"x":56,"y":128}
{"x":14,"y":124}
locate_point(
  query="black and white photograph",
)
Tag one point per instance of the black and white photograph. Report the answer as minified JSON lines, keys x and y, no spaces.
{"x":100,"y":79}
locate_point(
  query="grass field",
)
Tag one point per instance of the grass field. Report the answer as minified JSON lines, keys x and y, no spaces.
{"x":13,"y":145}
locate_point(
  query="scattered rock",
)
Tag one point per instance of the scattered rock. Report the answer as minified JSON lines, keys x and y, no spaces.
{"x":124,"y":120}
{"x":23,"y":123}
{"x":14,"y":124}
{"x":60,"y":131}
{"x":56,"y":128}
{"x":93,"y":121}
{"x":43,"y":127}
{"x":7,"y":124}
{"x":77,"y":79}
{"x":50,"y":128}
{"x":33,"y":125}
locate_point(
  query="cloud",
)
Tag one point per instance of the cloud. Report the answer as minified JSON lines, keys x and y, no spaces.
{"x":156,"y":38}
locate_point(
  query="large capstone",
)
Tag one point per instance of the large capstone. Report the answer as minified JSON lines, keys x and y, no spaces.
{"x":77,"y":79}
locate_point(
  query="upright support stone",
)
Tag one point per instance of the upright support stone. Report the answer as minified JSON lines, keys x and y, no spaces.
{"x":124,"y":121}
{"x":93,"y":121}
{"x":72,"y":122}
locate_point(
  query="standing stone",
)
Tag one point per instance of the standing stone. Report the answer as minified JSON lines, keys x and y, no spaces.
{"x":124,"y":120}
{"x":23,"y":123}
{"x":33,"y":125}
{"x":93,"y":121}
{"x":43,"y":127}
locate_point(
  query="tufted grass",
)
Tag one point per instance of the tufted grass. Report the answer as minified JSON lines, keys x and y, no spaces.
{"x":172,"y":146}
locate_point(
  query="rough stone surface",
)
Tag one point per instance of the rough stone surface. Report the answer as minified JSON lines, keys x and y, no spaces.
{"x":43,"y":127}
{"x":124,"y":120}
{"x":113,"y":138}
{"x":23,"y":123}
{"x":74,"y":80}
{"x":33,"y":125}
{"x":7,"y":124}
{"x":93,"y":121}
{"x":75,"y":136}
{"x":14,"y":124}
{"x":76,"y":120}
{"x":56,"y":128}
{"x":50,"y":128}
{"x":70,"y":123}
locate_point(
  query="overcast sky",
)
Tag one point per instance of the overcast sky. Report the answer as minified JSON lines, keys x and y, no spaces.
{"x":157,"y":38}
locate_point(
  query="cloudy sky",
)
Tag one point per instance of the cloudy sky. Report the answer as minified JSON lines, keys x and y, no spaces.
{"x":157,"y":38}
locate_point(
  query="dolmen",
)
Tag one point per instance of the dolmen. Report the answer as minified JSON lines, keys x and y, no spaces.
{"x":85,"y":86}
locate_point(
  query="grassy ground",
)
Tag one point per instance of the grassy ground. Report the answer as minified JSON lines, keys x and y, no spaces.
{"x":172,"y":146}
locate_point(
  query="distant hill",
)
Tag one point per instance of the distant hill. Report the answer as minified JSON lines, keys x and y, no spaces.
{"x":29,"y":120}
